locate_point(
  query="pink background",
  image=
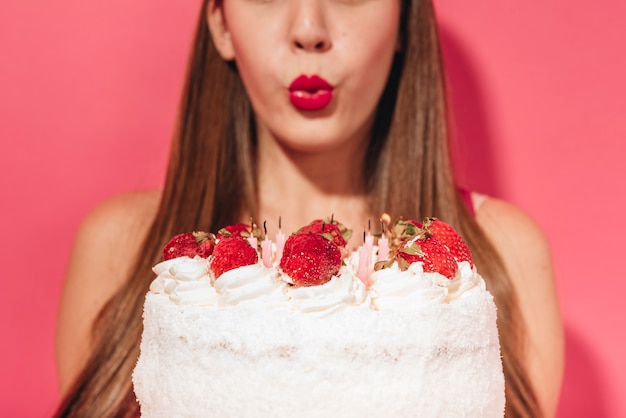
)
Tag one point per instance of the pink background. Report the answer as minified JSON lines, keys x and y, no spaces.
{"x":88,"y":93}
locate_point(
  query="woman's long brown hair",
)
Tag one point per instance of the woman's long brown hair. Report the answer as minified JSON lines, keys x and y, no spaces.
{"x":211,"y":183}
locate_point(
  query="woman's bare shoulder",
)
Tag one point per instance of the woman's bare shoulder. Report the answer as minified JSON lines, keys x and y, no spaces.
{"x":526,"y":253}
{"x":115,"y":229}
{"x":513,"y":227}
{"x":102,"y":255}
{"x":127,"y":208}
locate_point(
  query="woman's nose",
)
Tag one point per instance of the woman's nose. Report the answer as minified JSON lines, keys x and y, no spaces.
{"x":309,"y":26}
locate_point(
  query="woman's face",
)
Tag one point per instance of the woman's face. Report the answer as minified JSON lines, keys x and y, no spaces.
{"x":314,"y":69}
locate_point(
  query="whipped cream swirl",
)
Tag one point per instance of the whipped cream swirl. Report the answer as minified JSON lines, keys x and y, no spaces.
{"x":251,"y":284}
{"x":465,"y":280}
{"x":395,"y":289}
{"x":189,"y":281}
{"x":185,"y":280}
{"x":341,"y":292}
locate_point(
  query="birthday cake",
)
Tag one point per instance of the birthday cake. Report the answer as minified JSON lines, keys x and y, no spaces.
{"x":237,"y":325}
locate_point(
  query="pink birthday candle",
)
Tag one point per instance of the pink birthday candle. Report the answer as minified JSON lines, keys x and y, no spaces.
{"x":266,"y":248}
{"x":365,"y":260}
{"x":383,"y":248}
{"x":369,"y":246}
{"x":363,"y":267}
{"x":368,"y":264}
{"x":253,"y":242}
{"x":369,"y":238}
{"x":266,"y":252}
{"x":383,"y":245}
{"x":280,"y":241}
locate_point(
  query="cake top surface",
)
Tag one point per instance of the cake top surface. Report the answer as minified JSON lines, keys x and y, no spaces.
{"x":407,"y":264}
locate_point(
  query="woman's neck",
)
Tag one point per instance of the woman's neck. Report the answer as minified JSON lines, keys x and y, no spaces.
{"x":299,"y":187}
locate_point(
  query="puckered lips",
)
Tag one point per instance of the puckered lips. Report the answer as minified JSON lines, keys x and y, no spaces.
{"x":309,"y":93}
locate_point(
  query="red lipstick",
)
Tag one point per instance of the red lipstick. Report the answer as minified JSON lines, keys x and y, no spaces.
{"x":310,"y":93}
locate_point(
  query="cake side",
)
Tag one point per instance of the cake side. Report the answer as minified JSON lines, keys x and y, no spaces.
{"x":198,"y":361}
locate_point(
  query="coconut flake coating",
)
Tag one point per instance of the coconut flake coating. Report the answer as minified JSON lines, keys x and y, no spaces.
{"x":250,"y":360}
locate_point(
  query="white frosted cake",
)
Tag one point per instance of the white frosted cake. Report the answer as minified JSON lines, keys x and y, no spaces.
{"x":254,"y":342}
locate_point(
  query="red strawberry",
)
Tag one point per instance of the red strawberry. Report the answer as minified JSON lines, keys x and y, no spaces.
{"x":235,"y":230}
{"x":231,"y":253}
{"x":310,"y":259}
{"x":189,"y":244}
{"x":427,"y":249}
{"x":333,"y":230}
{"x":448,"y":236}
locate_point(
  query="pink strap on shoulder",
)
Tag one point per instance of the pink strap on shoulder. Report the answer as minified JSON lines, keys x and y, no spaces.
{"x":473,"y":201}
{"x":467,"y":198}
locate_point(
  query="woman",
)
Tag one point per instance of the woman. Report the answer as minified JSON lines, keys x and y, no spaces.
{"x":298,"y":109}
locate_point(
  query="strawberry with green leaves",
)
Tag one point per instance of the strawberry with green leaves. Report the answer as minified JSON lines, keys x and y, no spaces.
{"x":451,"y":239}
{"x":241,"y":230}
{"x":310,"y":259}
{"x":232,"y":252}
{"x":433,"y":242}
{"x":427,"y":249}
{"x":189,"y":244}
{"x":235,"y":230}
{"x":333,"y":230}
{"x":403,"y":230}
